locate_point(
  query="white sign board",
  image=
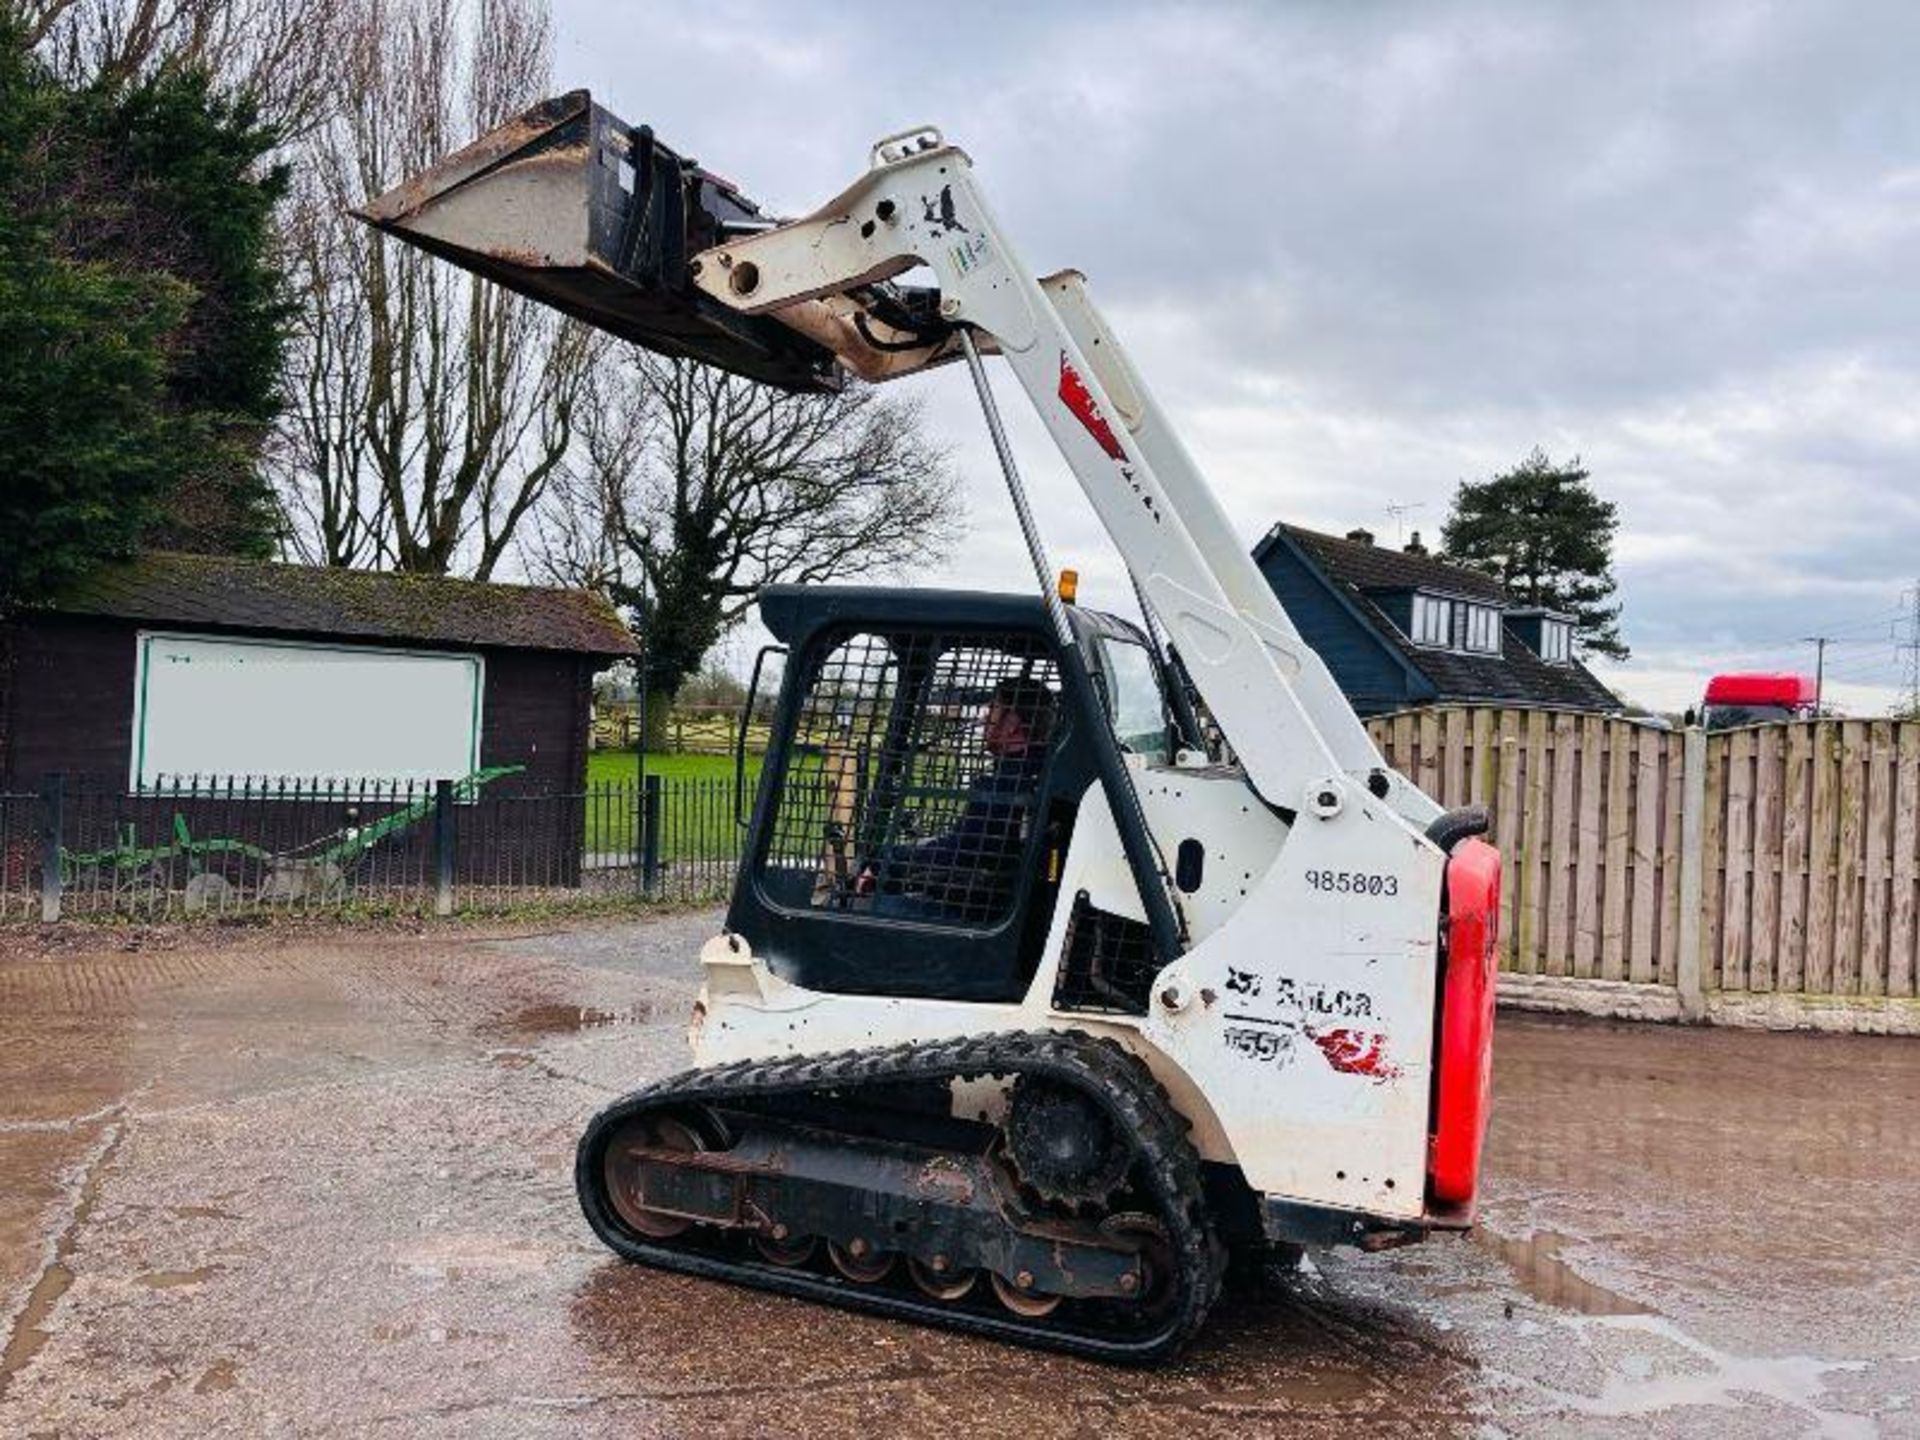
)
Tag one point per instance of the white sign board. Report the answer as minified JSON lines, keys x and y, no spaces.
{"x":277,"y":710}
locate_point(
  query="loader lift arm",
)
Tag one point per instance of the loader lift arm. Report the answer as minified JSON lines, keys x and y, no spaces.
{"x":1300,"y":742}
{"x":826,"y":283}
{"x":1288,"y":722}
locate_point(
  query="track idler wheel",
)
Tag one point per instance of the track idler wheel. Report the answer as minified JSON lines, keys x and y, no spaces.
{"x":949,"y":1282}
{"x":651,"y":1132}
{"x":860,"y":1262}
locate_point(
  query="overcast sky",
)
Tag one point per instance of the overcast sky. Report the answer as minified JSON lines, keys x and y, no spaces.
{"x":1362,"y":252}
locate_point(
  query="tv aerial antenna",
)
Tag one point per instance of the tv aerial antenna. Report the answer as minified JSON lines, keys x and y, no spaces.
{"x":1399,"y":510}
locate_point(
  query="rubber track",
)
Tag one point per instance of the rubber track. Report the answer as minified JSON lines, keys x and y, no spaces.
{"x":1167,"y":1162}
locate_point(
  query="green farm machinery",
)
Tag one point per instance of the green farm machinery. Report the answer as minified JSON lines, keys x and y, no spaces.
{"x":316,"y":871}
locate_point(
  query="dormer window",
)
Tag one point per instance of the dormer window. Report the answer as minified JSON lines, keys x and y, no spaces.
{"x":1547,"y":633}
{"x":1482,"y":628}
{"x":1455,"y":625}
{"x":1432,"y":620}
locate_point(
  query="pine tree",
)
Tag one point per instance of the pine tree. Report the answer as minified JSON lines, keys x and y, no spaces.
{"x":200,"y":206}
{"x":85,"y":437}
{"x":1542,"y":532}
{"x":140,"y":322}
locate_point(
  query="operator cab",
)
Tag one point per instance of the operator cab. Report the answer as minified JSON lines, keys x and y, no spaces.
{"x":921,"y":784}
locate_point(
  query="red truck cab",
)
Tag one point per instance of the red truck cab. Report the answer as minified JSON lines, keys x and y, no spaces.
{"x":1734,"y":700}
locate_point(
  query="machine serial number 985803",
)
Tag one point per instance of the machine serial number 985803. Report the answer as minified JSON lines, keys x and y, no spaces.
{"x":1353,"y":882}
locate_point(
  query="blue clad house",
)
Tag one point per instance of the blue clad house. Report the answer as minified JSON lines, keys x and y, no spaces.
{"x":1399,"y":628}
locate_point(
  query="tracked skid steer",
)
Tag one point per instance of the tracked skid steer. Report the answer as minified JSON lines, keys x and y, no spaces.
{"x":1068,"y":954}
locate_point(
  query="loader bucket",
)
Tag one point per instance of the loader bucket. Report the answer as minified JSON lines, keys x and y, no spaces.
{"x":570,"y":206}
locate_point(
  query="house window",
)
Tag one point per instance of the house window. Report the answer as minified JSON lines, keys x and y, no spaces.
{"x":1556,"y":641}
{"x":1455,"y":625}
{"x":1432,"y":620}
{"x":1482,"y":629}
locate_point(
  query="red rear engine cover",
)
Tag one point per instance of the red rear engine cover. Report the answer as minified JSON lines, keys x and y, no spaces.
{"x":1464,"y":1092}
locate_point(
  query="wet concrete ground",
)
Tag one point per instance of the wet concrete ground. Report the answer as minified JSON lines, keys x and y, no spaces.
{"x":267,"y":1184}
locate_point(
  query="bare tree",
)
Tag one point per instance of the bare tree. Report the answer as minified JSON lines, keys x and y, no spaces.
{"x":698,"y":489}
{"x":275,"y":53}
{"x":429,"y":410}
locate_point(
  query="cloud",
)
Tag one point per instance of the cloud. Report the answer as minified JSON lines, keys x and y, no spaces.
{"x":1364,"y":252}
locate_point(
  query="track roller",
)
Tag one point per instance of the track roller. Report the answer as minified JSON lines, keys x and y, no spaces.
{"x":778,"y":1248}
{"x":859,"y":1262}
{"x":944,"y":1283}
{"x":1027,"y":1304}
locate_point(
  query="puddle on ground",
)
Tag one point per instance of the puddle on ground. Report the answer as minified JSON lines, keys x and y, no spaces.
{"x":567,"y":1019}
{"x":177,"y":1279}
{"x":30,"y":1322}
{"x":1658,"y":1367}
{"x":453,"y":1257}
{"x":1649,"y":1382}
{"x":1536,"y":1264}
{"x":223,"y":1374}
{"x":434,"y":1334}
{"x":30,"y":1325}
{"x":203,"y":1212}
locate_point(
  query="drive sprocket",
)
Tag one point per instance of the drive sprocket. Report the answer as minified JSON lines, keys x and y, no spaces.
{"x":1062,"y":1146}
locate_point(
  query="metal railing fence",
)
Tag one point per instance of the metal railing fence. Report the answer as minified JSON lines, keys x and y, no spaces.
{"x":20,"y":849}
{"x":82,"y":847}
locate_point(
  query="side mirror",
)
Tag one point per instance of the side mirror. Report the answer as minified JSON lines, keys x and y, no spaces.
{"x":1690,"y":719}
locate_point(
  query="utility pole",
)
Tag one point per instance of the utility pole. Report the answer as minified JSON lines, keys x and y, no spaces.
{"x":1912,"y":646}
{"x":1819,"y":643}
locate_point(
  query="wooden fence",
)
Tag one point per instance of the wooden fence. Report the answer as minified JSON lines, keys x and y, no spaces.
{"x":687,"y":729}
{"x":1780,"y":858}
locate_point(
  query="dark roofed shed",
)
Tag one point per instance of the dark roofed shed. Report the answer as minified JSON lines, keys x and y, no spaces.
{"x":68,"y":671}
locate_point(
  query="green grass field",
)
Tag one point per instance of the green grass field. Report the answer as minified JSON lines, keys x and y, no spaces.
{"x":620,"y":767}
{"x":696,"y":803}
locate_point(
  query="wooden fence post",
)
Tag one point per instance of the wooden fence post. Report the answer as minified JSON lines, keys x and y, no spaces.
{"x":1693,"y":814}
{"x":53,"y":804}
{"x":443,"y":843}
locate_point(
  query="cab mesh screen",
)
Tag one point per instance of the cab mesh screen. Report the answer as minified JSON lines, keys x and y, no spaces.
{"x":916,"y":767}
{"x":1110,"y":963}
